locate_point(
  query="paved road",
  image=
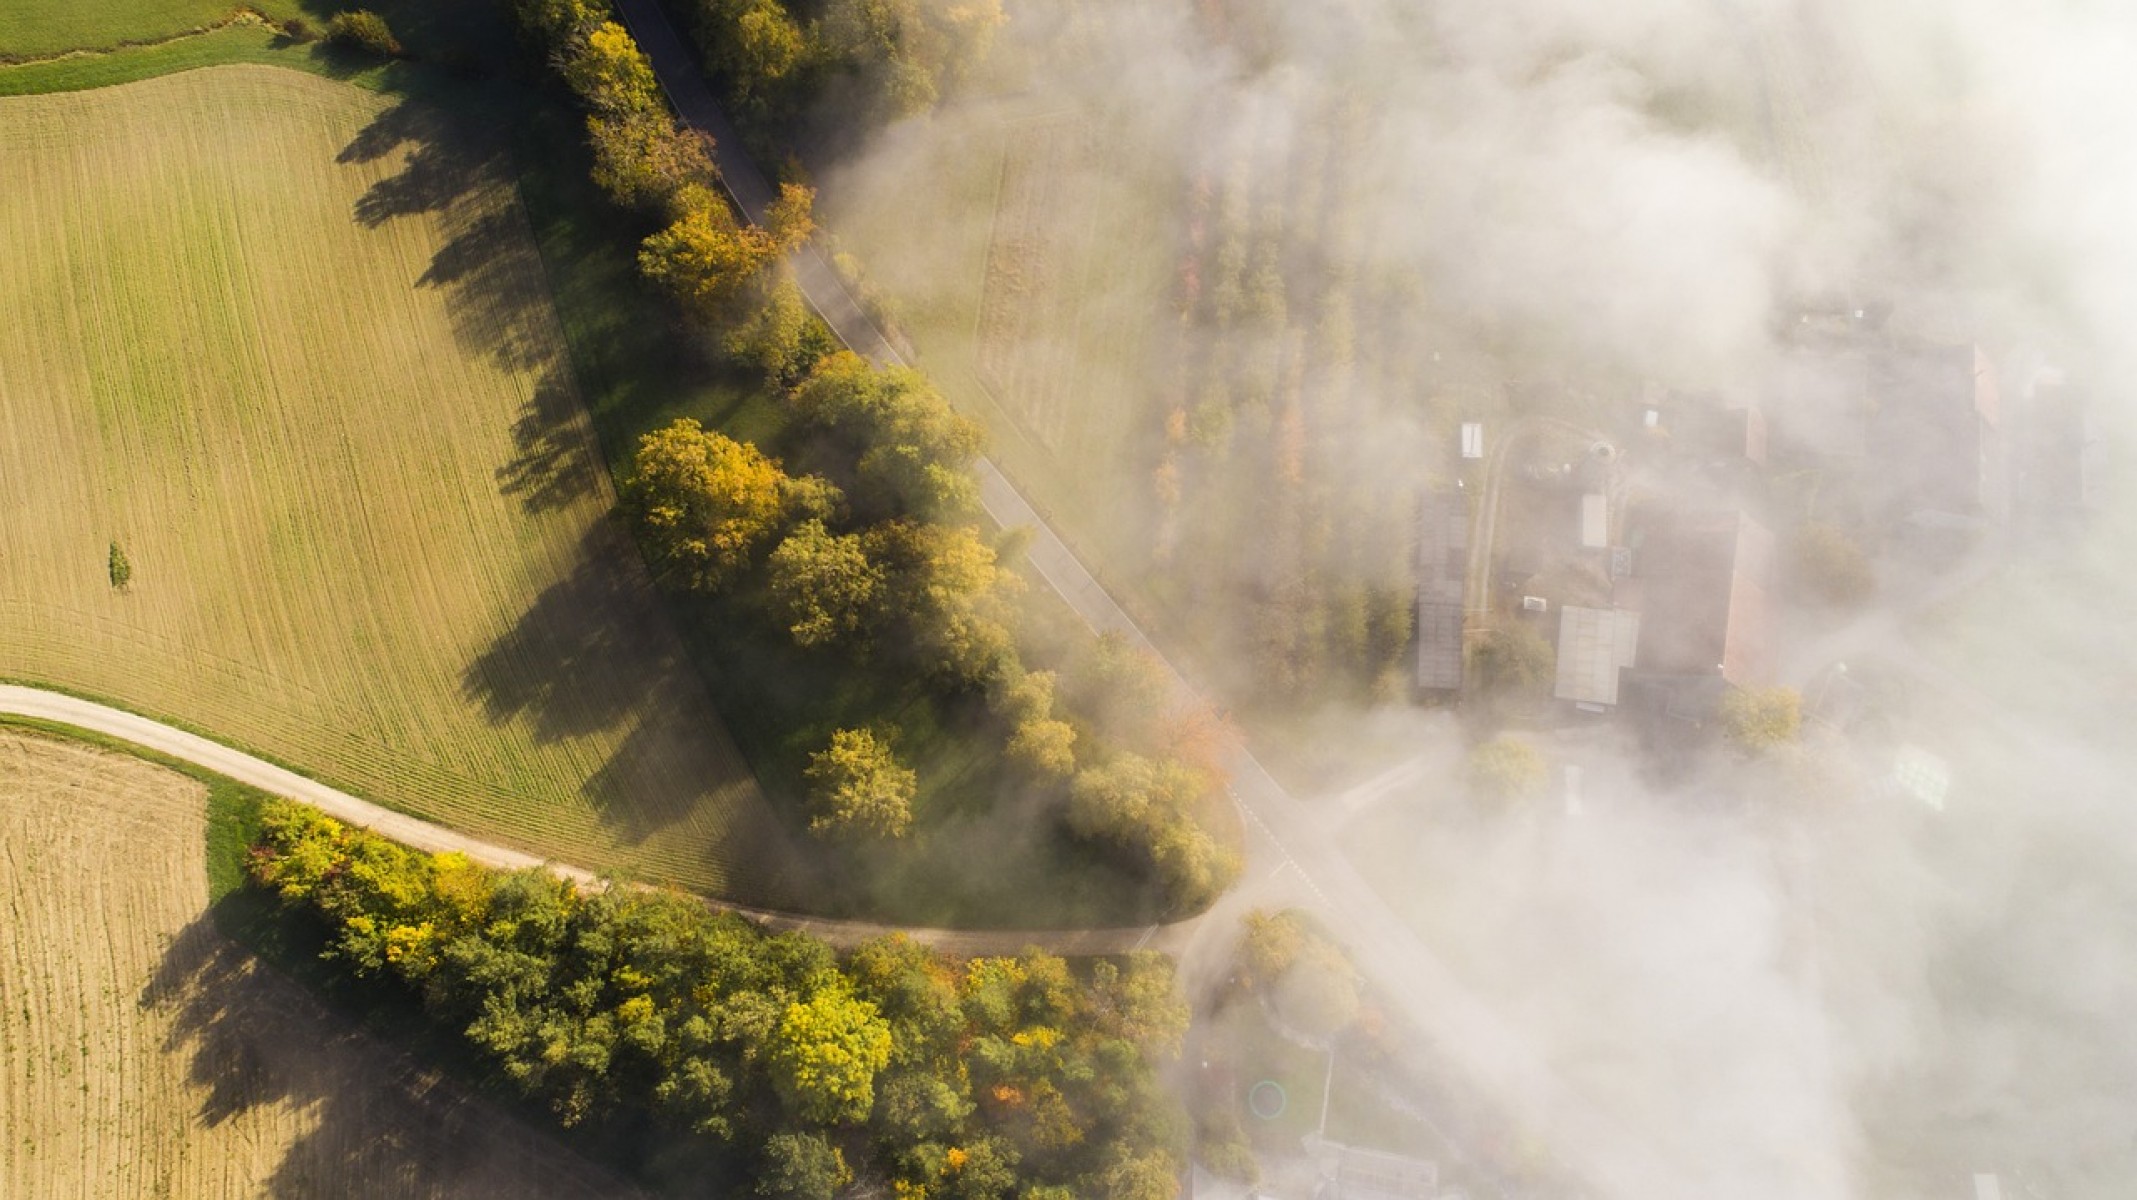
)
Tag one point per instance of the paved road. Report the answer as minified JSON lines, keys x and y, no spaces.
{"x":55,"y":707}
{"x":1292,"y":850}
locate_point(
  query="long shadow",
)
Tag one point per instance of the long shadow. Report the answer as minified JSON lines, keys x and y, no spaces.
{"x":496,"y":295}
{"x":553,"y":463}
{"x":446,"y":159}
{"x":253,"y":1038}
{"x":561,"y":663}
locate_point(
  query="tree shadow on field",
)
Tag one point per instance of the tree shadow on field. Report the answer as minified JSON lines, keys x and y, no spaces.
{"x":365,"y":1116}
{"x":496,"y":294}
{"x":497,"y":297}
{"x":585,"y":655}
{"x":446,"y":158}
{"x":553,"y":460}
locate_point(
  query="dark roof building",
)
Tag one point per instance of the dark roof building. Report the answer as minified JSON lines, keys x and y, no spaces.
{"x":1442,"y":580}
{"x":1934,"y":434}
{"x":1702,"y":585}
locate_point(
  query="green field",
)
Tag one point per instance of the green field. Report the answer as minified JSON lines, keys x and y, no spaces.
{"x":288,"y":345}
{"x":41,"y":28}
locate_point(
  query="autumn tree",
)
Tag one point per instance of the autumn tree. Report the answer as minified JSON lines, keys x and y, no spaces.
{"x":823,"y":586}
{"x":858,"y":788}
{"x":1758,"y":720}
{"x":644,"y":159}
{"x":364,"y":30}
{"x":1039,"y":742}
{"x":944,"y":599}
{"x":705,"y":501}
{"x":825,"y":1055}
{"x":609,"y":72}
{"x":711,"y":262}
{"x":778,"y":337}
{"x":909,"y":51}
{"x":912,"y":450}
{"x":1143,"y":807}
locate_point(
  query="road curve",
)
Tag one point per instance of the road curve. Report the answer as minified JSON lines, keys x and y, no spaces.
{"x":149,"y":734}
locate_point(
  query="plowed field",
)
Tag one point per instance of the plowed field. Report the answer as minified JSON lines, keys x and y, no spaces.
{"x":142,"y":1054}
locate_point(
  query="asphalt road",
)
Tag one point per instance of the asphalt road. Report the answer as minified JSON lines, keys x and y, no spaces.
{"x":1292,"y":853}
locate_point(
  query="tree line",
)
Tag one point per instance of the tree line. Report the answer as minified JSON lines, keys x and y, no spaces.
{"x":694,"y":1040}
{"x":877,"y":556}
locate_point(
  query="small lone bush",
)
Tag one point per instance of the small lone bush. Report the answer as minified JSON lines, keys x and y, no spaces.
{"x":297,"y":29}
{"x":365,"y":30}
{"x":122,"y":571}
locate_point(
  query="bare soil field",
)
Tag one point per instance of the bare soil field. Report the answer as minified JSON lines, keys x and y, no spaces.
{"x":142,"y":1054}
{"x":286,"y":344}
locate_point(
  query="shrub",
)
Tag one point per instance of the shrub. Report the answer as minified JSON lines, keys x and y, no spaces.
{"x":364,"y":30}
{"x":297,"y":29}
{"x":122,"y":570}
{"x":1760,"y":719}
{"x":1505,"y":770}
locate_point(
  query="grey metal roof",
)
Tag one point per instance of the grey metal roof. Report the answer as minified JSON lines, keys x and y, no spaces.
{"x":1593,"y":645}
{"x":1442,"y":578}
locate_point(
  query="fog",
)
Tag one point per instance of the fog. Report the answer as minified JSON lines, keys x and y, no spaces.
{"x":1785,"y":979}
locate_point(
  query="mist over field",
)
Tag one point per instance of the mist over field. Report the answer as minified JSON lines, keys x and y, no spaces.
{"x":1786,"y":980}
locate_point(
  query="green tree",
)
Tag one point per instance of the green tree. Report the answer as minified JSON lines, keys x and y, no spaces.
{"x":825,"y":1055}
{"x":1505,"y":770}
{"x":1514,"y":663}
{"x":823,"y":586}
{"x":119,"y":568}
{"x":802,"y":1166}
{"x":858,"y":788}
{"x":912,"y":450}
{"x":706,"y":502}
{"x":643,"y":159}
{"x":1758,"y":720}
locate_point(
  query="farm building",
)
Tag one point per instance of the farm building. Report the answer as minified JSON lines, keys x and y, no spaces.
{"x":1934,"y":434}
{"x":1442,"y":578}
{"x":1701,"y":584}
{"x":1353,"y":1173}
{"x":1594,"y":646}
{"x":1820,"y":405}
{"x":1716,"y":432}
{"x":2056,"y":469}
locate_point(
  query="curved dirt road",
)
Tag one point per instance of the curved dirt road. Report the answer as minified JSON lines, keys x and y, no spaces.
{"x":58,"y":708}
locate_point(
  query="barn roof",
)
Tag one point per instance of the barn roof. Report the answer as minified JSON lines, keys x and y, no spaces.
{"x":1442,"y":579}
{"x":1704,"y":584}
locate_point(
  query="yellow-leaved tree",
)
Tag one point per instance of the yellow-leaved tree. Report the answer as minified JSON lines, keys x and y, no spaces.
{"x":706,"y":503}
